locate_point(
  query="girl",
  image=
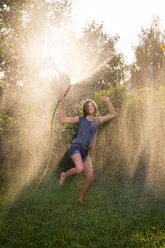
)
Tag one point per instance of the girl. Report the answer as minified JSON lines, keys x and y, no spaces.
{"x":78,"y":151}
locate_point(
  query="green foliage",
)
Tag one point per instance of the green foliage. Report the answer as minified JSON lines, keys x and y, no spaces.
{"x":115,"y":93}
{"x":113,"y":68}
{"x":161,"y":96}
{"x":95,"y":39}
{"x":130,"y":106}
{"x":112,"y":74}
{"x":21,"y":23}
{"x":149,"y":59}
{"x":140,"y":96}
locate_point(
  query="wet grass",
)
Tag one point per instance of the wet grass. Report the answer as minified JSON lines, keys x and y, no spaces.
{"x":114,"y":216}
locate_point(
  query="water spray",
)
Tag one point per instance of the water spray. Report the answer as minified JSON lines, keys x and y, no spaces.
{"x":51,"y":144}
{"x":55,"y":109}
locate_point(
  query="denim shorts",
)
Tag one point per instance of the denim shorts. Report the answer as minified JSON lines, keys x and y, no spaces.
{"x":77,"y":148}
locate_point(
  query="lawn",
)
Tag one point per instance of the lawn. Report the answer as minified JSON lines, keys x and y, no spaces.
{"x":115,"y":215}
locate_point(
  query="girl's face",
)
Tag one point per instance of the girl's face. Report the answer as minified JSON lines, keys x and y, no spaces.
{"x":91,"y":108}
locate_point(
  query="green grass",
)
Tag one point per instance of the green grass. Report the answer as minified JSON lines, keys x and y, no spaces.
{"x":114,"y":216}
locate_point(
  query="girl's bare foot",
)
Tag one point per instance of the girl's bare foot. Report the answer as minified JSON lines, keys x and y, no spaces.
{"x":62,"y":180}
{"x":80,"y":200}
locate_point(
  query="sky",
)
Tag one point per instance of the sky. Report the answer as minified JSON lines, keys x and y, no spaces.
{"x":123,"y":17}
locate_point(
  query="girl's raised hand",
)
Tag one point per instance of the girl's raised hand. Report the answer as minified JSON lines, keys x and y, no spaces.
{"x":105,"y":98}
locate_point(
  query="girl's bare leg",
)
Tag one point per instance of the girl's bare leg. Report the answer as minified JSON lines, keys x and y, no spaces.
{"x":89,"y":178}
{"x":79,"y":167}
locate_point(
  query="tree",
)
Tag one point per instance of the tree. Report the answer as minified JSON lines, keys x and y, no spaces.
{"x":150,"y":59}
{"x":110,"y":65}
{"x":24,"y":23}
{"x":23,"y":26}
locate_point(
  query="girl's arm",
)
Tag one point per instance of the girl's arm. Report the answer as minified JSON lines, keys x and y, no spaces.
{"x":112,"y":112}
{"x":66,"y":120}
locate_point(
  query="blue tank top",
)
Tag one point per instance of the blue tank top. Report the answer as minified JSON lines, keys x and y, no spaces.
{"x":87,"y":131}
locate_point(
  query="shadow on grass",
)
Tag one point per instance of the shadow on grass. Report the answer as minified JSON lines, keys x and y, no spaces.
{"x":64,"y":164}
{"x":140,"y":175}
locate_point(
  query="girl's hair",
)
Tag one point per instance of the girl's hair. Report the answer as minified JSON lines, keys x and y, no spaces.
{"x":85,"y":107}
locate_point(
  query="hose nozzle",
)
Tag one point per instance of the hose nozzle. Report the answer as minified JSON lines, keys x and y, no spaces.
{"x":65,"y":93}
{"x":67,"y":90}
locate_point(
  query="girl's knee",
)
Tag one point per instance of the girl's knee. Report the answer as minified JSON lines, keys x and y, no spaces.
{"x":80,"y":170}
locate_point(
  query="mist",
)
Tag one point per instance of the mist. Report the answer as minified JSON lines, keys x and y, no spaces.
{"x":36,"y":99}
{"x":50,"y":58}
{"x":131,"y":147}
